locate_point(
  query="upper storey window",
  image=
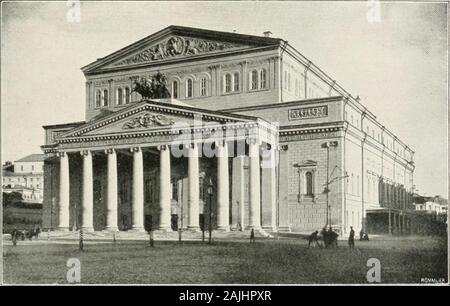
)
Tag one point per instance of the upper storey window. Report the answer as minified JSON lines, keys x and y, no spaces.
{"x":254,"y":78}
{"x":203,"y":87}
{"x":258,"y":79}
{"x":98,"y":98}
{"x":236,"y":81}
{"x":189,"y":88}
{"x":105,"y":97}
{"x":227,"y":82}
{"x":119,"y":96}
{"x":127,"y":95}
{"x":231,"y":82}
{"x":262,"y":79}
{"x":175,"y":89}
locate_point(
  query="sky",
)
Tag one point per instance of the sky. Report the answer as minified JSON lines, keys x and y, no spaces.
{"x":396,"y":63}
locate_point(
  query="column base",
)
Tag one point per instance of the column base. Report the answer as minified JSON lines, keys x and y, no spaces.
{"x":137,"y":229}
{"x":269,"y":228}
{"x":284,"y":229}
{"x":111,"y":229}
{"x":253,"y":227}
{"x":165,"y":229}
{"x":193,"y":228}
{"x":223,"y":228}
{"x":87,"y":229}
{"x":63,"y":229}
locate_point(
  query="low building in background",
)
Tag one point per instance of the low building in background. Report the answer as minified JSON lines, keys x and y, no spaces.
{"x":25,"y":176}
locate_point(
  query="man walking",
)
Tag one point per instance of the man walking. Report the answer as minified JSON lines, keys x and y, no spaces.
{"x":351,"y":238}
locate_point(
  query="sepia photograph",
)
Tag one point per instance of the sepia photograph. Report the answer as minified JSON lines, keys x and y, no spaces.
{"x":222,"y":143}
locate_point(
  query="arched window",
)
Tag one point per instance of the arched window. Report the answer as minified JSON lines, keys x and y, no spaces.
{"x":203,"y":83}
{"x":262,"y":79}
{"x":127,"y":95}
{"x":119,"y":97}
{"x":254,"y":79}
{"x":98,"y":98}
{"x":236,"y":81}
{"x":105,"y":97}
{"x":189,"y":88}
{"x":309,"y":183}
{"x":228,"y":82}
{"x":175,"y":90}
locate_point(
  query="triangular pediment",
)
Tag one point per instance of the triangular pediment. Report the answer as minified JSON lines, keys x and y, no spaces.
{"x":151,"y":116}
{"x":177,"y":43}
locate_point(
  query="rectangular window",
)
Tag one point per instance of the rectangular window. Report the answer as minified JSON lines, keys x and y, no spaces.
{"x":236,"y":82}
{"x":203,"y":87}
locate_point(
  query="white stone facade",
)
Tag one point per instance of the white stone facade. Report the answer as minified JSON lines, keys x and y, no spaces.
{"x":278,"y":98}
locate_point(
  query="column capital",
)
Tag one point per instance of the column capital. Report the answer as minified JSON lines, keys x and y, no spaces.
{"x":221,"y":142}
{"x":135,"y":149}
{"x":283,"y":147}
{"x":253,"y":140}
{"x":61,"y":154}
{"x":110,"y":151}
{"x":163,"y":147}
{"x":85,"y":153}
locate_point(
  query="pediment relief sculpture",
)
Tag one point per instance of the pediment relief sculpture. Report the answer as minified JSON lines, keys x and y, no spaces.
{"x":147,"y":120}
{"x":176,"y":46}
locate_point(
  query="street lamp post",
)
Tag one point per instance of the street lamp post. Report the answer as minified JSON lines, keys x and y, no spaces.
{"x":328,"y":145}
{"x":209,"y":190}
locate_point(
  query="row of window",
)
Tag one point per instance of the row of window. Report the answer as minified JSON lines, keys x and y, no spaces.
{"x":311,"y":92}
{"x":32,"y":168}
{"x":389,"y":144}
{"x":231,"y":83}
{"x":123,"y":96}
{"x":19,"y":179}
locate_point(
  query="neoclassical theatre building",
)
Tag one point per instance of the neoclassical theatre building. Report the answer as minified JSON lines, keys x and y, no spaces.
{"x":255,"y":135}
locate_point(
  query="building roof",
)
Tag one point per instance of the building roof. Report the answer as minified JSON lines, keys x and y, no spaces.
{"x":188,"y":31}
{"x":32,"y":158}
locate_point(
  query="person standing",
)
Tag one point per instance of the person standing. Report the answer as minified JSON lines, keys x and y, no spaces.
{"x":351,"y":238}
{"x":252,"y":236}
{"x":312,"y":239}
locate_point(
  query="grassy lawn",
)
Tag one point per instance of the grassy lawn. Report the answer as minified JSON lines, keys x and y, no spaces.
{"x":286,"y":261}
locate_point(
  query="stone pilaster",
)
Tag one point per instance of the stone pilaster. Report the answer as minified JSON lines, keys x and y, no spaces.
{"x":164,"y":188}
{"x":64,"y":192}
{"x":111,"y":199}
{"x":268,"y":188}
{"x":238,"y":193}
{"x":254,"y":186}
{"x":194,"y":187}
{"x":223,"y":181}
{"x":87,"y":200}
{"x":137,"y":194}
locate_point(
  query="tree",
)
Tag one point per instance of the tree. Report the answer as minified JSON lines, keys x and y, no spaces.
{"x":155,"y":88}
{"x":11,"y":198}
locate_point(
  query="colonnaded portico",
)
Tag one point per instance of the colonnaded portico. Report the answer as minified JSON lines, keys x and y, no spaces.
{"x":219,"y":148}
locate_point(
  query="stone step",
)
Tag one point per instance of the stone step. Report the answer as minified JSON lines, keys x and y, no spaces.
{"x":157,"y":235}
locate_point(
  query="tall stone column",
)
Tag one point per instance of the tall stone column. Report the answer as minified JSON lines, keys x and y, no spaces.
{"x":164,"y":188}
{"x":87,"y":200}
{"x":194,"y":187}
{"x":111,"y":197}
{"x":137,"y":193}
{"x":269,"y":190}
{"x":64,"y":192}
{"x":254,"y":186}
{"x":223,"y":181}
{"x":238,"y":193}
